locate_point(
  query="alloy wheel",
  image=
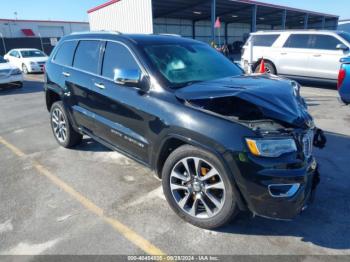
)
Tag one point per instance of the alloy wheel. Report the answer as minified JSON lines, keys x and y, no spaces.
{"x":197,"y":187}
{"x":59,"y":125}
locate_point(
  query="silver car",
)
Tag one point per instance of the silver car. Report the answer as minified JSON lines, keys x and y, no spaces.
{"x":310,"y":54}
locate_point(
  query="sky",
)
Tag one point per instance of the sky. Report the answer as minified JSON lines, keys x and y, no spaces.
{"x":75,"y":10}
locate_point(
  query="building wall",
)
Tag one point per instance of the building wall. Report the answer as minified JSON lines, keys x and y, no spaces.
{"x":132,"y":16}
{"x":235,"y":32}
{"x":12,"y":28}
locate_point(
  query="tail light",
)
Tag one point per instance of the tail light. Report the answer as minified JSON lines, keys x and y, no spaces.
{"x":341,"y":77}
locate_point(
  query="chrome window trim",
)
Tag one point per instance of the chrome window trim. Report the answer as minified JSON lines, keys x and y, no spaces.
{"x":141,"y":66}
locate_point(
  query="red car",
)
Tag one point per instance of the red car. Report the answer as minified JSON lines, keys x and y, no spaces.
{"x":344,"y":80}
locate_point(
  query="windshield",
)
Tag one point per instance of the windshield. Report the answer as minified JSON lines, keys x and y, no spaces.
{"x":185,"y":63}
{"x":32,"y":53}
{"x":2,"y":60}
{"x":346,"y":36}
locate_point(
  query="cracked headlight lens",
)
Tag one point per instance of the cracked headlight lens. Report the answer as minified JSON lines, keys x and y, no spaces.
{"x":271,"y":147}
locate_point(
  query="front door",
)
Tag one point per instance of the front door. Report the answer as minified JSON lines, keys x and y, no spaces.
{"x":119,"y":110}
{"x":324,"y":60}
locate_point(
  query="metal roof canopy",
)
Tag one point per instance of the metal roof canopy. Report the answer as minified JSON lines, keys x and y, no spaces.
{"x":237,"y":11}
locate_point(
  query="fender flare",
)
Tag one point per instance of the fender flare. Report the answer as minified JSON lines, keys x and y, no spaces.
{"x":240,"y":200}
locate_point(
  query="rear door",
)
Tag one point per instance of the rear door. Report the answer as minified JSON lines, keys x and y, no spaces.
{"x":59,"y":70}
{"x":80,"y":80}
{"x":294,"y":55}
{"x":324,"y":61}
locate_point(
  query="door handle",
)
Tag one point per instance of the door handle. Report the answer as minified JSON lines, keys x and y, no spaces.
{"x":317,"y":55}
{"x":100,"y":85}
{"x":66,"y":74}
{"x":284,"y":53}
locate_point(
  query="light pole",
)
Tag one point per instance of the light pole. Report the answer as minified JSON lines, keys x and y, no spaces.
{"x":3,"y":42}
{"x":41,"y":42}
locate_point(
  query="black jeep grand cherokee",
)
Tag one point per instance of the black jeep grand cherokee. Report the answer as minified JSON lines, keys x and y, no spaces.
{"x":220,"y":140}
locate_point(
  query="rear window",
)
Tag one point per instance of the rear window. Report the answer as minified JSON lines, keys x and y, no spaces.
{"x":264,"y":40}
{"x":298,"y":41}
{"x":87,"y":56}
{"x":65,"y":53}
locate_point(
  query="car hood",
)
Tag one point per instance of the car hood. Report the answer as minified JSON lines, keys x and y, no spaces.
{"x":35,"y":59}
{"x":345,"y":60}
{"x":275,"y":97}
{"x":7,"y":66}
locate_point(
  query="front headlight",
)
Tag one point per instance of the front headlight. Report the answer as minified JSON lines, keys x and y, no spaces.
{"x":16,"y":72}
{"x":33,"y":63}
{"x":271,"y":147}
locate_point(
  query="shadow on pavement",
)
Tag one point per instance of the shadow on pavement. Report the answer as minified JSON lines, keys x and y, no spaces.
{"x":88,"y":144}
{"x":317,"y":84}
{"x":28,"y":87}
{"x":326,"y":222}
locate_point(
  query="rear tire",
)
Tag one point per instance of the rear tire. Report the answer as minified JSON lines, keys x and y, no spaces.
{"x":62,"y":129}
{"x":204,"y":200}
{"x":269,"y":68}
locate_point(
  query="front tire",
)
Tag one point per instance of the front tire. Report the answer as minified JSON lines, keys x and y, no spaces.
{"x":198,"y":188}
{"x":62,"y":130}
{"x":25,"y":69}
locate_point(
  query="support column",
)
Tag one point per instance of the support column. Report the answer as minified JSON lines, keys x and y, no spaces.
{"x":226,"y":31}
{"x":284,"y":19}
{"x":193,"y":29}
{"x":306,"y":21}
{"x":254,"y":14}
{"x":213,"y":18}
{"x":336,"y":23}
{"x":323,"y":22}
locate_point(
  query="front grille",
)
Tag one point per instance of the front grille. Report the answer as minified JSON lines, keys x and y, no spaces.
{"x":307,"y":143}
{"x":41,"y":63}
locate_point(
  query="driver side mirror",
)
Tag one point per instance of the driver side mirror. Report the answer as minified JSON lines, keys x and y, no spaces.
{"x":132,"y":78}
{"x":342,"y":47}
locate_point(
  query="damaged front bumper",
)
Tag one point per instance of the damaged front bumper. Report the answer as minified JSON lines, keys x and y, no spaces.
{"x":279,"y":188}
{"x":283,"y":194}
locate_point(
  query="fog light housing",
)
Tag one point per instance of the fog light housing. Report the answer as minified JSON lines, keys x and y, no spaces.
{"x":283,"y":190}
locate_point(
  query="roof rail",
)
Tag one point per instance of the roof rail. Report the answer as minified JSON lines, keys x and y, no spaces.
{"x":97,"y":32}
{"x":289,"y":30}
{"x":171,"y":35}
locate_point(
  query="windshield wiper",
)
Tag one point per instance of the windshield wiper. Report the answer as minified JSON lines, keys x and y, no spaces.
{"x":184,"y":84}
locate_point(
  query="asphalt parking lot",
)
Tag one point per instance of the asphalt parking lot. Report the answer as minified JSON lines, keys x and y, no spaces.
{"x":90,"y":200}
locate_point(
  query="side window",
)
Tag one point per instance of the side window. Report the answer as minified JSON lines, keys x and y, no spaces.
{"x":325,"y":42}
{"x":87,"y":56}
{"x":14,"y":54}
{"x":264,"y":40}
{"x":117,"y":57}
{"x":65,"y":53}
{"x":298,"y":41}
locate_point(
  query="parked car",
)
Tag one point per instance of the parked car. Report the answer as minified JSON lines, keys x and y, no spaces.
{"x":344,"y":80}
{"x":302,"y":54}
{"x":9,"y":74}
{"x":29,"y":60}
{"x":220,"y":141}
